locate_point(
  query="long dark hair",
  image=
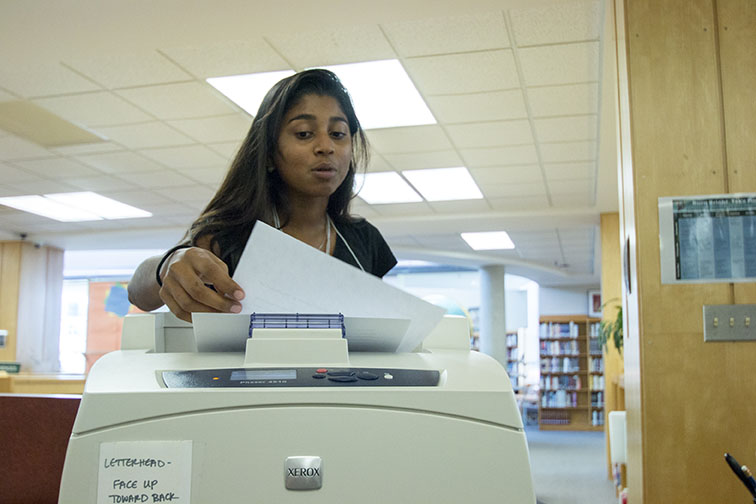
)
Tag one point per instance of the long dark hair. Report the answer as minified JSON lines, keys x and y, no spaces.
{"x":251,"y":191}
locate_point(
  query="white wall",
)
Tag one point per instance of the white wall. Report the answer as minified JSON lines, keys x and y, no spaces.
{"x":567,"y":301}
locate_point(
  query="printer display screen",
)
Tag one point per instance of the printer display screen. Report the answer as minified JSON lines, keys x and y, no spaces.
{"x":264,"y":374}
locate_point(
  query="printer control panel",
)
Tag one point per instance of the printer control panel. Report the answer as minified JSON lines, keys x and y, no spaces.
{"x":300,"y":377}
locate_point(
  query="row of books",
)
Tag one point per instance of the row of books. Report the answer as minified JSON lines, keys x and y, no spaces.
{"x":597,"y":417}
{"x":594,"y":329}
{"x":511,"y":340}
{"x":559,"y":347}
{"x":596,"y":364}
{"x":560,"y":365}
{"x":513,"y":353}
{"x":561,"y":382}
{"x":552,"y":330}
{"x":597,"y":382}
{"x":559,"y":399}
{"x":597,"y":399}
{"x":555,"y":417}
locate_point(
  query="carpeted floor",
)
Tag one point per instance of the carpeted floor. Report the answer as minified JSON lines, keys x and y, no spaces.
{"x":569,"y":467}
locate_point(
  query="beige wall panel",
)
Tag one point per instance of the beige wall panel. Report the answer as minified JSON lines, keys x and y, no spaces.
{"x":696,"y":409}
{"x":737,"y":42}
{"x":10,"y":274}
{"x":611,"y":277}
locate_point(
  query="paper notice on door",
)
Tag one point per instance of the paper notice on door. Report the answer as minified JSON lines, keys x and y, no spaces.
{"x":145,"y":472}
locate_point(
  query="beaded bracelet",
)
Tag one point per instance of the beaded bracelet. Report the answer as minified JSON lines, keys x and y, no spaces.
{"x":165,"y":258}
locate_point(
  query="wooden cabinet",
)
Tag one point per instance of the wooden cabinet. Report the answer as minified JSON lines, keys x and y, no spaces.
{"x":572,"y":374}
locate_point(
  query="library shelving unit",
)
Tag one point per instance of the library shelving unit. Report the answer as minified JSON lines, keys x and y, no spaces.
{"x":572,"y":374}
{"x":513,"y":359}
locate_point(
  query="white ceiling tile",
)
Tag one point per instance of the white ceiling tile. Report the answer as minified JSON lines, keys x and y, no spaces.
{"x":43,"y":80}
{"x":460,"y":206}
{"x":583,"y":186}
{"x":419,"y":160}
{"x":227,"y":57}
{"x":225,"y":128}
{"x":138,"y":198}
{"x":400,"y":209}
{"x":226,"y":149}
{"x":331,"y":47}
{"x":93,"y":109}
{"x":92,"y":148}
{"x":491,"y":106}
{"x":210,"y":177}
{"x":464,"y":73}
{"x":490,"y":134}
{"x":140,"y":136}
{"x":408,"y":139}
{"x":56,"y":168}
{"x":171,"y":210}
{"x":560,"y":22}
{"x":561,"y":64}
{"x":442,"y":35}
{"x":378,"y":163}
{"x":13,"y":147}
{"x":359,"y":208}
{"x":568,"y":151}
{"x":179,"y":101}
{"x":126,"y":69}
{"x":101,"y":183}
{"x":566,"y":129}
{"x":507,"y":174}
{"x":6,"y":96}
{"x":193,"y":156}
{"x":573,"y":99}
{"x":513,"y":155}
{"x":43,"y":186}
{"x":402,"y":241}
{"x":197,"y":194}
{"x":120,"y":162}
{"x":566,"y":171}
{"x":494,"y":190}
{"x":573,"y":200}
{"x":519,"y":203}
{"x":10,"y":174}
{"x":160,"y":179}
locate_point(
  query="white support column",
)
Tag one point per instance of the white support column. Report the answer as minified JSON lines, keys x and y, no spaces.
{"x":493,"y":327}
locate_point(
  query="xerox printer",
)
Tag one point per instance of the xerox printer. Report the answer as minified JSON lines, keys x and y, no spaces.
{"x":293,"y":416}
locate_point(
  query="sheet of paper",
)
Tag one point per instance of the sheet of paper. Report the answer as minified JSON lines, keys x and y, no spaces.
{"x":281,"y":274}
{"x":228,"y":332}
{"x":145,"y":471}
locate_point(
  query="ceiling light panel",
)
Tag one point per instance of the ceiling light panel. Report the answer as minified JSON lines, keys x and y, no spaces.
{"x":45,"y":207}
{"x":384,"y":187}
{"x":444,"y":184}
{"x":493,"y":240}
{"x":248,"y":90}
{"x":74,"y":207}
{"x":383,"y":94}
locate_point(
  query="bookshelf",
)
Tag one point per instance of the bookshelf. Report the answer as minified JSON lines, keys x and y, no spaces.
{"x":514,"y":362}
{"x":572,"y":374}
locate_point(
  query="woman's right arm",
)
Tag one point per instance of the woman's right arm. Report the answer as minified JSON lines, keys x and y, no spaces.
{"x":186,"y":275}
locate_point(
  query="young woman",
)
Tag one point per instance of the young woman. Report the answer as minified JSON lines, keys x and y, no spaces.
{"x":295,"y":171}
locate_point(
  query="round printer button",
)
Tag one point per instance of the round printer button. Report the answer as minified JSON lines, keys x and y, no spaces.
{"x":318,"y":375}
{"x":343,"y":378}
{"x":321,"y":370}
{"x":366,"y":375}
{"x":341,"y":372}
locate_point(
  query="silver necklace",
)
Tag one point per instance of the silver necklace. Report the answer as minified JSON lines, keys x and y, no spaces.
{"x":326,"y":241}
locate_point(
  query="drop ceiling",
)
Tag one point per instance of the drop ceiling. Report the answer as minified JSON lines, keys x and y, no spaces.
{"x":522,"y":92}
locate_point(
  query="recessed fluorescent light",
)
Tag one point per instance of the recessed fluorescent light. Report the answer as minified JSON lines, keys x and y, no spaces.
{"x":104,"y":207}
{"x":493,"y":240}
{"x":383,"y":94}
{"x":444,"y":184}
{"x":248,"y":90}
{"x":384,"y":187}
{"x":48,"y":208}
{"x":74,"y":207}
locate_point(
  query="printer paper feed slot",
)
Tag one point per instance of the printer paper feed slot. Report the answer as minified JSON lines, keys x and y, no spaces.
{"x":228,"y":332}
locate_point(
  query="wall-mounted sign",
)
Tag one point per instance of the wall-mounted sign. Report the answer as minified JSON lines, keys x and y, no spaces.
{"x":707,"y":239}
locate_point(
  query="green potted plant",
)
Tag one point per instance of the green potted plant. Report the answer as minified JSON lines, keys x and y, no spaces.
{"x":611,"y":329}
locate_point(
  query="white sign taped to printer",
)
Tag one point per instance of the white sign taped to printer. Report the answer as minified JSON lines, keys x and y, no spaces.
{"x":280,"y":274}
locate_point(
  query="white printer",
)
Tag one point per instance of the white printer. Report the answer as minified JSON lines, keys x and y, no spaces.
{"x":295,"y":419}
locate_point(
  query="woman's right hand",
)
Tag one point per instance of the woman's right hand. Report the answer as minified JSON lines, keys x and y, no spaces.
{"x":186,"y":276}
